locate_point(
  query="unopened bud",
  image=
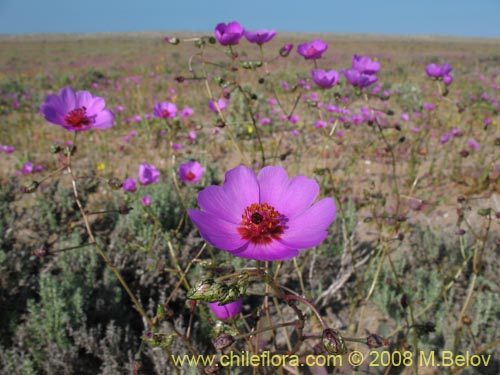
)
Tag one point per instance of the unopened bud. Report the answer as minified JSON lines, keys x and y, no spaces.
{"x":124,"y":209}
{"x":172,"y":40}
{"x":40,"y":252}
{"x":464,"y":153}
{"x":467,"y":320}
{"x":223,"y":341}
{"x":199,"y":289}
{"x":497,"y":141}
{"x":251,"y":64}
{"x":333,"y":342}
{"x":114,"y":183}
{"x":404,"y":301}
{"x":286,"y":49}
{"x":484,"y":211}
{"x":30,"y":187}
{"x":375,"y":341}
{"x":164,"y":312}
{"x":55,"y":149}
{"x":180,"y":79}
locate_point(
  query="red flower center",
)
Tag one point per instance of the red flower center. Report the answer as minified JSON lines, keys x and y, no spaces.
{"x":311,"y":50}
{"x":190,"y":176}
{"x":164,"y":113}
{"x":77,"y":118}
{"x":261,"y":224}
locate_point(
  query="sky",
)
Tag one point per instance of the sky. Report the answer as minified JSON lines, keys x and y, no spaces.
{"x":477,"y":18}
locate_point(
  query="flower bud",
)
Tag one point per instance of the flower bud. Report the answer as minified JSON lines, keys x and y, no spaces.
{"x":172,"y":40}
{"x":30,"y":187}
{"x":375,"y":341}
{"x":55,"y":149}
{"x":333,"y":342}
{"x":484,"y":211}
{"x":114,"y":183}
{"x":198,"y":291}
{"x":223,"y":341}
{"x":286,"y":49}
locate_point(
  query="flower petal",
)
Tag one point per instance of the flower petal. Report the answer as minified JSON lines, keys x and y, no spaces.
{"x":216,"y":231}
{"x":67,"y":97}
{"x":309,"y":228}
{"x":214,"y":200}
{"x":290,"y":198}
{"x":104,"y":120}
{"x":241,"y":187}
{"x":276,"y":250}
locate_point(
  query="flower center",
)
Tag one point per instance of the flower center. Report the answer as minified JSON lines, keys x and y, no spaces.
{"x":77,"y":118}
{"x":311,"y":50}
{"x":164,"y":113}
{"x":261,"y":224}
{"x":190,"y":176}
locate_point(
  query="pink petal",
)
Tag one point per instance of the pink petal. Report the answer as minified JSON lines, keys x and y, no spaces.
{"x":216,"y":231}
{"x":214,"y":200}
{"x":273,"y":251}
{"x":309,"y":228}
{"x":241,"y":187}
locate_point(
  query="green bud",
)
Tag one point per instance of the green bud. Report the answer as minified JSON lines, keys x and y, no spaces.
{"x":232,"y":294}
{"x":30,"y":187}
{"x":199,"y":43}
{"x":55,"y":149}
{"x":251,"y":64}
{"x":484,"y":211}
{"x":197,"y":292}
{"x":333,"y":342}
{"x":114,"y":183}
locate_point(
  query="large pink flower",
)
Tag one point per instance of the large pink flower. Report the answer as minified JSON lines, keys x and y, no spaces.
{"x":312,"y":50}
{"x":229,"y":34}
{"x":263,"y":217}
{"x":78,"y":111}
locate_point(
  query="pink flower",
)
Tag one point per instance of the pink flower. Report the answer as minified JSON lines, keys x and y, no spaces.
{"x":260,"y":36}
{"x":190,"y":172}
{"x":186,"y":112}
{"x":148,"y":174}
{"x":78,"y":111}
{"x":312,"y":50}
{"x":7,"y":149}
{"x":129,"y":185}
{"x":165,"y":110}
{"x":227,"y":311}
{"x":325,"y":78}
{"x":146,"y":201}
{"x":192,"y":136}
{"x":229,"y":34}
{"x":286,"y":49}
{"x":213,"y":105}
{"x":263,"y":217}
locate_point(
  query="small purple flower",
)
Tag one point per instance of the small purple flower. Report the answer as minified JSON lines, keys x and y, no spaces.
{"x":176,"y":146}
{"x":472,"y":143}
{"x":190,"y":172}
{"x":320,"y":124}
{"x":213,"y":106}
{"x":456,"y":132}
{"x":148,"y":174}
{"x":39,"y":168}
{"x":229,"y":34}
{"x":119,"y":108}
{"x":265,"y":121}
{"x":186,"y":112}
{"x":146,"y":201}
{"x":7,"y":149}
{"x":272,"y":101}
{"x":358,"y":79}
{"x":27,"y":168}
{"x":312,"y":50}
{"x":438,"y":71}
{"x":192,"y":136}
{"x":263,"y":217}
{"x":405,"y":117}
{"x":325,"y":78}
{"x":286,"y":49}
{"x":365,"y":65}
{"x":445,"y":138}
{"x":429,"y":106}
{"x":78,"y":111}
{"x":448,"y":79}
{"x":227,"y":311}
{"x":165,"y":110}
{"x":129,"y":185}
{"x":293,"y":119}
{"x":261,"y":36}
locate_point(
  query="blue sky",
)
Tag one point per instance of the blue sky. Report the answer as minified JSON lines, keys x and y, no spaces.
{"x":436,"y":17}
